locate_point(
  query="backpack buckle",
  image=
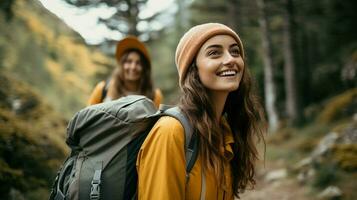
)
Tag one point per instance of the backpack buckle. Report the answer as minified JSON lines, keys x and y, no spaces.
{"x":95,"y":190}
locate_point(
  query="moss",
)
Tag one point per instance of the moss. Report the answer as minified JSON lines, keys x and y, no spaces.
{"x":347,"y":185}
{"x":10,"y":177}
{"x":339,"y":107}
{"x":38,"y":193}
{"x":306,"y":146}
{"x":346,"y":156}
{"x":341,"y":126}
{"x":32,"y":143}
{"x":280,"y":136}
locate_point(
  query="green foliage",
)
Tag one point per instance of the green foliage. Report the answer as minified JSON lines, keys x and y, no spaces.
{"x":325,"y":176}
{"x":339,"y":106}
{"x":126,"y":17}
{"x":281,"y":136}
{"x":42,"y":51}
{"x":31,"y":140}
{"x":164,"y":70}
{"x":10,"y":177}
{"x":6,"y":6}
{"x":38,"y":193}
{"x":323,"y":34}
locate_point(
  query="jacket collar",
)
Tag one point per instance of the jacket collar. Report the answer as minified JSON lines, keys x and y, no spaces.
{"x":228,"y":139}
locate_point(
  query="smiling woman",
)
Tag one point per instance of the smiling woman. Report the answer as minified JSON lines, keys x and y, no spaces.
{"x":220,"y":65}
{"x":132,"y":75}
{"x":218,"y":100}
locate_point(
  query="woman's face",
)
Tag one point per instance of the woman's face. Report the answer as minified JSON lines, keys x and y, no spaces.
{"x":132,"y":67}
{"x":219,"y":63}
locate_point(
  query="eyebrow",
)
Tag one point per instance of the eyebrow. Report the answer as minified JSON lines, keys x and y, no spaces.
{"x":233,"y":45}
{"x":214,"y":46}
{"x":220,"y":46}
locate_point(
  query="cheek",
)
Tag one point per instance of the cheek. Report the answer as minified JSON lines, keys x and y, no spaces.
{"x":140,"y":68}
{"x":203,"y":74}
{"x":207,"y":74}
{"x":208,"y":67}
{"x":241,"y":64}
{"x":125,"y":67}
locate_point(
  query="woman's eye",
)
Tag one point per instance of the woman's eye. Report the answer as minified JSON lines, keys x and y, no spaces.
{"x":235,"y":52}
{"x":213,"y":53}
{"x":128,"y":61}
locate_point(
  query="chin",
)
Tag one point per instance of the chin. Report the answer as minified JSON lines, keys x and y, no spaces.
{"x":133,"y":78}
{"x":232,"y":87}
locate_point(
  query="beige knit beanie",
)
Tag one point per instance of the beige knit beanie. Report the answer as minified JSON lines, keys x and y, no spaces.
{"x":193,"y":39}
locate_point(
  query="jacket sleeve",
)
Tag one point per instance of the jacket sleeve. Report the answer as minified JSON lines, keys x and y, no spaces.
{"x":161,"y":162}
{"x":96,"y":96}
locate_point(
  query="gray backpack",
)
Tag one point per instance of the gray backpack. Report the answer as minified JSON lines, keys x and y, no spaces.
{"x":104,"y":141}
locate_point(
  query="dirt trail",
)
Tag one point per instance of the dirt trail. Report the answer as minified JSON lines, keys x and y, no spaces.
{"x":283,"y":189}
{"x":280,"y":190}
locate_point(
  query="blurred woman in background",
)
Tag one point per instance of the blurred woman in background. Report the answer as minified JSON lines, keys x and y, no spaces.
{"x":131,"y":76}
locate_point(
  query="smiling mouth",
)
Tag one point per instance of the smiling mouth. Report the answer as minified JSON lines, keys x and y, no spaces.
{"x":227,"y":73}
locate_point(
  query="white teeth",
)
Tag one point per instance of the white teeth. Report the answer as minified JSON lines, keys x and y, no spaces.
{"x":227,"y":73}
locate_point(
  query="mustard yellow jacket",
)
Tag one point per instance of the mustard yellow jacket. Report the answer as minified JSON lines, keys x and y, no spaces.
{"x":96,"y":96}
{"x":161,"y":166}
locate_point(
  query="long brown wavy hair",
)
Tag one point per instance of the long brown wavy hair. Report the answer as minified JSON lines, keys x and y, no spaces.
{"x":146,"y":83}
{"x":246,"y":118}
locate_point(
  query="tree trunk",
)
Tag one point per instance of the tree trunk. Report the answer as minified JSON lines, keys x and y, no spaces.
{"x":133,"y":18}
{"x":289,"y":65}
{"x":232,"y":18}
{"x":269,"y":84}
{"x":183,"y":15}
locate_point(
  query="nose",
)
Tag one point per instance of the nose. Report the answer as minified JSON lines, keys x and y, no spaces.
{"x":228,"y":59}
{"x":133,"y":65}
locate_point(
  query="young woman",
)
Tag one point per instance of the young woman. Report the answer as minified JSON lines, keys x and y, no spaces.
{"x":218,"y":100}
{"x":131,"y":76}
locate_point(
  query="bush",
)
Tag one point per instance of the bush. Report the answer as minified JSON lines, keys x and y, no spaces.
{"x":338,"y":107}
{"x":325,"y":176}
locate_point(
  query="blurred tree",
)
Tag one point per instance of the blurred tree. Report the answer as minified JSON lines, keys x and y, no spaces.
{"x":270,"y":87}
{"x":164,"y":68}
{"x":324,"y":40}
{"x":291,"y":91}
{"x":126,"y":18}
{"x":204,"y":11}
{"x":183,"y":15}
{"x":6,"y":8}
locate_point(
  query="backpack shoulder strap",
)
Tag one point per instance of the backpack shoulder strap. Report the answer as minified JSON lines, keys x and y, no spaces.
{"x":191,"y":140}
{"x":105,"y":89}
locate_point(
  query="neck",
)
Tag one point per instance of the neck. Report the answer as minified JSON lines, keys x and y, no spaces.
{"x":131,"y":86}
{"x":219,"y":100}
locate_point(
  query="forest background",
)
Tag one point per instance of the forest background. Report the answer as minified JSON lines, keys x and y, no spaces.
{"x":303,"y":55}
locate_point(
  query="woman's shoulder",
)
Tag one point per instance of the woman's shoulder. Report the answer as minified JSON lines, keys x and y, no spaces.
{"x":166,"y":130}
{"x":169,"y":123}
{"x":158,"y":93}
{"x":100,"y":85}
{"x":96,"y":96}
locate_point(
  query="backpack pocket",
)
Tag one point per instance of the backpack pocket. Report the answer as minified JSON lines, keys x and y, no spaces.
{"x":63,"y":179}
